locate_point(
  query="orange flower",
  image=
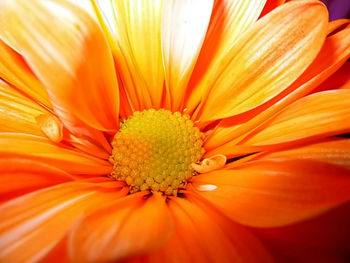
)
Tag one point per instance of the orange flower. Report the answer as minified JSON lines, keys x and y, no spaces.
{"x":165,"y":130}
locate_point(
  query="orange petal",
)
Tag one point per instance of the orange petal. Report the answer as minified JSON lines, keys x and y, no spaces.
{"x":138,"y":52}
{"x":124,"y":229}
{"x":18,"y":113}
{"x":271,"y":5}
{"x":333,"y":54}
{"x":336,"y":24}
{"x":40,"y":148}
{"x":21,"y":176}
{"x":31,"y":225}
{"x":335,"y":152}
{"x":207,"y":236}
{"x":229,"y":20}
{"x":266,"y":60}
{"x":339,"y":80}
{"x":88,"y":147}
{"x":184,"y":25}
{"x":315,"y":116}
{"x":271,"y":193}
{"x":15,"y":71}
{"x":73,"y":61}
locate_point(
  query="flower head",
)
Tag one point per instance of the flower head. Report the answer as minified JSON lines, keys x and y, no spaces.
{"x":167,"y":130}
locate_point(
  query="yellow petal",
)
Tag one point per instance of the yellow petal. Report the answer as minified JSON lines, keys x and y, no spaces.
{"x":184,"y":25}
{"x":73,"y":61}
{"x":266,"y":60}
{"x":229,"y":20}
{"x":138,"y":35}
{"x":18,"y":113}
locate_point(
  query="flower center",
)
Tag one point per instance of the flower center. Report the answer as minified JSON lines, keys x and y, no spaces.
{"x":154,"y":149}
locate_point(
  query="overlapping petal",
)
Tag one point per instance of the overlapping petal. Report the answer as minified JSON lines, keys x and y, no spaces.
{"x":184,"y":26}
{"x":339,"y":80}
{"x":20,"y":176}
{"x":126,"y":228}
{"x":139,"y":55}
{"x":203,"y":235}
{"x":270,"y":5}
{"x":275,"y":193}
{"x":266,"y":60}
{"x":18,"y":113}
{"x":40,"y":148}
{"x":335,"y":152}
{"x":316,"y":116}
{"x":333,"y":54}
{"x":33,"y":224}
{"x":15,"y":71}
{"x":229,"y":20}
{"x":73,"y":61}
{"x":337,"y":24}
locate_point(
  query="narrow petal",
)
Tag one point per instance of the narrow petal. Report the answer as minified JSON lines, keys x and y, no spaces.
{"x":315,"y":116}
{"x":73,"y":61}
{"x":184,"y":25}
{"x":15,"y":71}
{"x":21,"y":176}
{"x":266,"y":60}
{"x":336,"y":24}
{"x":335,"y":152}
{"x":272,"y":193}
{"x":31,"y":225}
{"x":333,"y":54}
{"x":138,"y":35}
{"x":58,"y":155}
{"x":124,"y":229}
{"x":18,"y":113}
{"x":229,"y":20}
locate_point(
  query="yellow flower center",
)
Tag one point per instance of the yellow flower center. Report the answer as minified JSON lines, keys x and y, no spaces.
{"x":155,"y":149}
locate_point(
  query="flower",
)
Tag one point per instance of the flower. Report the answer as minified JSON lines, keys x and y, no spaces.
{"x":168,"y":130}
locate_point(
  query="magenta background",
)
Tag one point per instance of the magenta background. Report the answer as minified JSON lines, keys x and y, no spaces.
{"x":338,"y":8}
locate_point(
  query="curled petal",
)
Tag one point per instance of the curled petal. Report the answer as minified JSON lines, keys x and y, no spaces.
{"x":210,"y":164}
{"x":51,"y":127}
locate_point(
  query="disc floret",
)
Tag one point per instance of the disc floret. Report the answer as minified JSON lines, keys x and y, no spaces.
{"x":155,"y":150}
